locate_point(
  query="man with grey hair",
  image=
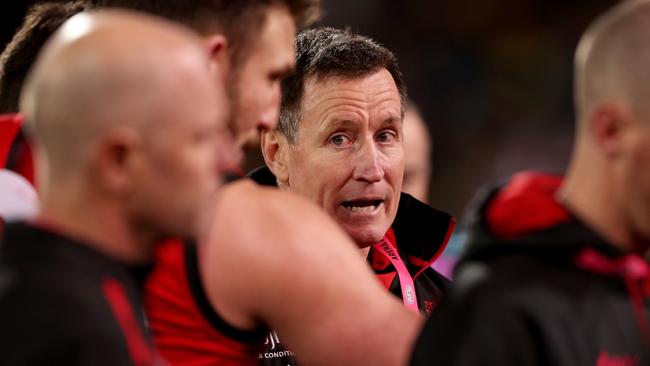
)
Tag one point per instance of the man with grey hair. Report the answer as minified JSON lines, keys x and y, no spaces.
{"x":555,"y":273}
{"x":125,"y":122}
{"x":340,"y":144}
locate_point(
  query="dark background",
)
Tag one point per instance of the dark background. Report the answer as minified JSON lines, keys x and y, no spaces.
{"x":492,"y":78}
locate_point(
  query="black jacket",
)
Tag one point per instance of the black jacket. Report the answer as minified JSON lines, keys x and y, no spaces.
{"x":63,"y":303}
{"x":538,"y":287}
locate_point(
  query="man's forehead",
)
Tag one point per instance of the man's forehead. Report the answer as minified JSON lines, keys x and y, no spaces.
{"x":277,"y":34}
{"x":377,"y":86}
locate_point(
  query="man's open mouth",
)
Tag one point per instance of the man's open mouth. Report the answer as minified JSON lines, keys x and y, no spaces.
{"x":362,"y":205}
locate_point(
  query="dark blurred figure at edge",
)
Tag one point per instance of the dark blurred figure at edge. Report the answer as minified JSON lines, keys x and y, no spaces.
{"x":555,"y":271}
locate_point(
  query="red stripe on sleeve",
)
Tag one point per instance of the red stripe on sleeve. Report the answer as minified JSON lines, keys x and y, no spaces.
{"x":138,"y":349}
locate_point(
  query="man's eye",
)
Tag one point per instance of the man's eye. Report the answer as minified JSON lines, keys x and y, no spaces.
{"x":386,"y":136}
{"x":338,"y":140}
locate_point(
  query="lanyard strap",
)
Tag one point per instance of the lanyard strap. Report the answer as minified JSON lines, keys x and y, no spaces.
{"x":406,"y":281}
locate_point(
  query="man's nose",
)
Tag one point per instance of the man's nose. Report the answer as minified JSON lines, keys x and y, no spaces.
{"x":368,"y":165}
{"x":268,"y":120}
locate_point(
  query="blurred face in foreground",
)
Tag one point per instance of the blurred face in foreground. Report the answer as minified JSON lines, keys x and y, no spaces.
{"x":179,"y":169}
{"x":255,"y":93}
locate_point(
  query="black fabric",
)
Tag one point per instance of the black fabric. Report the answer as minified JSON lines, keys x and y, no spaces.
{"x":524,"y":301}
{"x":52,"y":308}
{"x":263,"y":176}
{"x":421,"y":230}
{"x":201,"y":299}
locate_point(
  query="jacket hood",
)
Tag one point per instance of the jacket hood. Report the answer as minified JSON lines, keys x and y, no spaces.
{"x":525,"y":215}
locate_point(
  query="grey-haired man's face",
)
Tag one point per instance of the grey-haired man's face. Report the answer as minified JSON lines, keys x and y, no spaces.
{"x":348,"y":155}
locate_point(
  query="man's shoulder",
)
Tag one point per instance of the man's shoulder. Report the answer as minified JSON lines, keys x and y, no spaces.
{"x":249,"y":213}
{"x":247,"y":195}
{"x":521,"y":299}
{"x":541,"y":286}
{"x":53,"y":294}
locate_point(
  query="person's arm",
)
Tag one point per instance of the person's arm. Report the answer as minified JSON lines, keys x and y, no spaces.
{"x":273,"y":258}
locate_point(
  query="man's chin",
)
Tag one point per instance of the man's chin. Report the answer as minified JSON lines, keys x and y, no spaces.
{"x":364,"y":238}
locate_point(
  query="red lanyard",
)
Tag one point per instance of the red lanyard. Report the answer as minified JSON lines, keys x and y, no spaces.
{"x":406,"y":281}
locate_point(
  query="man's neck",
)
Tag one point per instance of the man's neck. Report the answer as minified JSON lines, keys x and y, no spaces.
{"x":588,"y":193}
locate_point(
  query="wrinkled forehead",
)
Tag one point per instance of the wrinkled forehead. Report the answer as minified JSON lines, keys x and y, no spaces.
{"x":377,"y":84}
{"x":372,"y":89}
{"x":343,"y":102}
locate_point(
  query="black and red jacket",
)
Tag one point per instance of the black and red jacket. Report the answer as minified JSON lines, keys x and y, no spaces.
{"x":539,"y":287}
{"x":420,"y":233}
{"x":64,"y":303}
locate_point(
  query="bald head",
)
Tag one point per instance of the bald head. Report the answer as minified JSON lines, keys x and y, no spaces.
{"x":607,"y":184}
{"x":127,"y":121}
{"x":611,"y":63}
{"x":101,"y":70}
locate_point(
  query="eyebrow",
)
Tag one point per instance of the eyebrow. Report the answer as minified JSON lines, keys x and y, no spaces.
{"x":330,"y":125}
{"x":340,"y":122}
{"x":392,"y":121}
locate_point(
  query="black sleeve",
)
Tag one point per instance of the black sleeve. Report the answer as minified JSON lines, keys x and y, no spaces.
{"x":478,"y":326}
{"x":34,"y":330}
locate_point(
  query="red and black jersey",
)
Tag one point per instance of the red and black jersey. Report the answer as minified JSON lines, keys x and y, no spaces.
{"x":186,"y":329}
{"x":539,"y":287}
{"x":63,"y":303}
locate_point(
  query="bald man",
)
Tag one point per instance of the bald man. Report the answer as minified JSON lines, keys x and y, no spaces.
{"x":555,"y":273}
{"x":126,"y":121}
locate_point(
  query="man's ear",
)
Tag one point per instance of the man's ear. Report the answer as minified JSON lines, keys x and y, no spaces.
{"x":219,"y":53}
{"x":607,"y":126}
{"x":117,"y":161}
{"x":275,"y":150}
